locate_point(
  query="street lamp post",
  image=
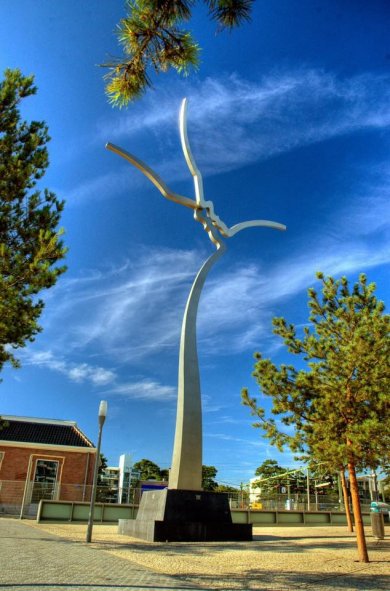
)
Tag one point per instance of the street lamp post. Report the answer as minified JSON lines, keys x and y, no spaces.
{"x":308,"y":488}
{"x":102,"y":418}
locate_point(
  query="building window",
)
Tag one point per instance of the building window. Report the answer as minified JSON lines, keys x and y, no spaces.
{"x":2,"y":453}
{"x":45,"y":480}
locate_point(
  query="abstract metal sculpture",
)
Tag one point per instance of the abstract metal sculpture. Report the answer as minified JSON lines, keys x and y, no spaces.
{"x":186,"y":470}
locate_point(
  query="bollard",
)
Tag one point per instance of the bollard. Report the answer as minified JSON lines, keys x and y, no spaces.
{"x":377,"y":524}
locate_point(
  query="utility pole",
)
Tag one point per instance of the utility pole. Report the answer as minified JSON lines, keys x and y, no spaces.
{"x":102,"y":418}
{"x":308,"y":488}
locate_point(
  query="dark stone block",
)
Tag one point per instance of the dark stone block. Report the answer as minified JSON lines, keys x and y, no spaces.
{"x":185,"y":516}
{"x":201,"y":532}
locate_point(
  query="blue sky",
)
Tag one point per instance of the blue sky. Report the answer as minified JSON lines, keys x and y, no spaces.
{"x":289,"y":121}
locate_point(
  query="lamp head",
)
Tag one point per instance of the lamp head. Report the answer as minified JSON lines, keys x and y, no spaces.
{"x":103,"y":409}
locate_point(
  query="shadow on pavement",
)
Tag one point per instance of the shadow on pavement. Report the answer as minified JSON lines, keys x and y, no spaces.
{"x":214,"y":548}
{"x":286,"y":581}
{"x":76,"y":586}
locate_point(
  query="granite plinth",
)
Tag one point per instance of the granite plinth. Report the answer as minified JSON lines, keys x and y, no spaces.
{"x":184,"y":516}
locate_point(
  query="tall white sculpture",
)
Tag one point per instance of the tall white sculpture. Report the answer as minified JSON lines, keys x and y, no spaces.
{"x":186,"y":470}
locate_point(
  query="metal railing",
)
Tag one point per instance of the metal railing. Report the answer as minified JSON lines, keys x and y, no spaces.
{"x":283,"y":502}
{"x":21,"y":499}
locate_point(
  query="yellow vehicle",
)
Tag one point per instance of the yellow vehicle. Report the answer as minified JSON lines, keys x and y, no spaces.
{"x":256,"y":505}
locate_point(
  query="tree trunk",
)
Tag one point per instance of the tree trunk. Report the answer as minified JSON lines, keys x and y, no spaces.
{"x":357,"y":513}
{"x":346,"y":500}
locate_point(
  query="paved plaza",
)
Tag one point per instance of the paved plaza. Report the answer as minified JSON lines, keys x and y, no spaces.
{"x":34,"y":560}
{"x":55,"y":556}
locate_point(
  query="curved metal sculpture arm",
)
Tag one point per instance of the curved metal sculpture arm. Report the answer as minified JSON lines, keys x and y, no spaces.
{"x":199,"y":195}
{"x":194,"y":170}
{"x":203,"y":210}
{"x":153,"y":177}
{"x":209,"y":228}
{"x":254,"y":223}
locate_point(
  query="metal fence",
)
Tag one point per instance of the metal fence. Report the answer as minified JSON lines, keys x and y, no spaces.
{"x":293,"y":502}
{"x":21,"y":498}
{"x":284,"y":502}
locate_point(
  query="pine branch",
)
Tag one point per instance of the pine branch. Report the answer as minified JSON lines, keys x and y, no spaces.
{"x":144,"y":34}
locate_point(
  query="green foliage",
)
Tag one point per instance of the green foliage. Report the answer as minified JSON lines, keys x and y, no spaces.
{"x":3,"y":424}
{"x":273,"y":478}
{"x":148,"y":470}
{"x":268,"y":469}
{"x":104,"y":492}
{"x":230,"y":13}
{"x":152,"y":39}
{"x":164,"y":474}
{"x":226,"y":488}
{"x":339,"y":405}
{"x":102,"y":466}
{"x":208,"y":475}
{"x":30,"y":244}
{"x":269,"y":474}
{"x":385,"y":487}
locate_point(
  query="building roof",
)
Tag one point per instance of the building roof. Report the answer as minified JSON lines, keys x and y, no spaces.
{"x":46,"y":431}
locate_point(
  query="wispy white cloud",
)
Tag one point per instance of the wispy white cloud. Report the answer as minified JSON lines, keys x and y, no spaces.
{"x":209,"y":405}
{"x":134,"y":310}
{"x":144,"y":389}
{"x":102,"y":186}
{"x":256,"y":442}
{"x":244,"y":318}
{"x":76,"y":372}
{"x":335,"y":260}
{"x":97,"y":375}
{"x":234,"y":122}
{"x":100,"y":377}
{"x":227,"y":420}
{"x":282,"y":112}
{"x":131,"y":310}
{"x":355,"y":238}
{"x":159,"y":112}
{"x":369,"y":213}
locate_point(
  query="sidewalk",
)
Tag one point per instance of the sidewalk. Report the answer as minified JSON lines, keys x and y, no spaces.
{"x":55,"y":556}
{"x":34,"y":560}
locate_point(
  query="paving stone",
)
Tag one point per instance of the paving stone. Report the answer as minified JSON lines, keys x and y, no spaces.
{"x":56,"y":557}
{"x":34,"y":560}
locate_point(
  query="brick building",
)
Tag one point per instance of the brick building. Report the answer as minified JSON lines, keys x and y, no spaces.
{"x":43,"y":458}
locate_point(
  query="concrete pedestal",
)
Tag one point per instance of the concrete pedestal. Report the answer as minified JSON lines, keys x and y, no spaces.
{"x":184,"y":516}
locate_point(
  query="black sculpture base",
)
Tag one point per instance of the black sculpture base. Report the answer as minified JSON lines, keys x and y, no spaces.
{"x":184,"y":516}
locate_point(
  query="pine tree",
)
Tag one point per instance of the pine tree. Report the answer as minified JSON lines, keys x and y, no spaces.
{"x":152,"y":39}
{"x":30,"y":244}
{"x":269,"y":469}
{"x":269,"y":474}
{"x":209,"y":474}
{"x":338,"y":405}
{"x":148,"y":470}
